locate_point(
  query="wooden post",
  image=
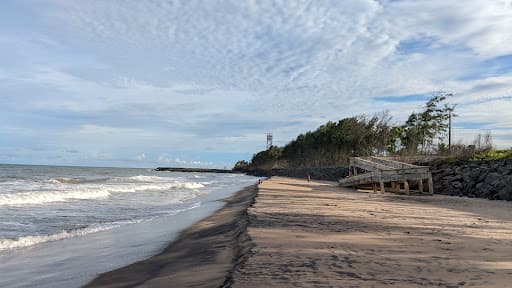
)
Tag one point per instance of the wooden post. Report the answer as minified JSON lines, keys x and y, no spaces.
{"x":355,"y":170}
{"x":382,"y":188}
{"x":420,"y":185}
{"x":374,"y":188}
{"x":396,"y":186}
{"x":406,"y":187}
{"x":430,"y":184}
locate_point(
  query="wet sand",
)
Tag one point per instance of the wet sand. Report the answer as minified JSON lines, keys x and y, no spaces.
{"x":320,"y":235}
{"x":204,"y":255}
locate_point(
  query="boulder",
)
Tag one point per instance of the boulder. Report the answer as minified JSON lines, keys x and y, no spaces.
{"x":493,"y":178}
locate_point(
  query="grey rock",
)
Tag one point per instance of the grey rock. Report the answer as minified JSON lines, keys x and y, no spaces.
{"x":456,"y":185}
{"x":493,"y":178}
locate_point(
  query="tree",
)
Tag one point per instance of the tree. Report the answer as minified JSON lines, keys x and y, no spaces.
{"x":423,"y":128}
{"x":241,"y":165}
{"x":333,"y":143}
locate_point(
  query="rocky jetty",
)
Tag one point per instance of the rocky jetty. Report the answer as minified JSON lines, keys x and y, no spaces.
{"x":195,"y":170}
{"x":491,"y":179}
{"x":321,"y":173}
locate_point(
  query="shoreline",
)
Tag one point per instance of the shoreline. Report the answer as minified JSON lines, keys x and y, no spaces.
{"x":290,"y":233}
{"x":204,"y":255}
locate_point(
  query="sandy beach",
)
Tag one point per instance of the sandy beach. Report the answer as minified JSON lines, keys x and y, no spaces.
{"x":299,"y":234}
{"x":320,"y":235}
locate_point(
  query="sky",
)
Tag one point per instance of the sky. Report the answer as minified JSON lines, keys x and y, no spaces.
{"x":199,"y":83}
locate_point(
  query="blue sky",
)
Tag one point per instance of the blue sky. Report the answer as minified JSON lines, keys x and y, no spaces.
{"x":199,"y":83}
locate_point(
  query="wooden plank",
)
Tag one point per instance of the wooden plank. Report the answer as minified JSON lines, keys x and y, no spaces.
{"x":384,"y":170}
{"x":391,"y":163}
{"x":406,"y":171}
{"x":400,"y":177}
{"x":369,"y":165}
{"x":370,"y":177}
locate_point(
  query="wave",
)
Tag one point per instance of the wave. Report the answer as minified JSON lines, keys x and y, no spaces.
{"x":7,"y":244}
{"x":191,"y":185}
{"x":26,"y":241}
{"x":89,"y":192}
{"x":144,"y":178}
{"x":67,"y":180}
{"x":28,"y":198}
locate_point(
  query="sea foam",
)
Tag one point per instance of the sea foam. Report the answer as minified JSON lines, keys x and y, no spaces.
{"x":7,"y":244}
{"x":41,"y":194}
{"x":26,"y":241}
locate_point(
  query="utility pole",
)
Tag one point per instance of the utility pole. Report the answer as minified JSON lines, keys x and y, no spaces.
{"x":450,"y":132}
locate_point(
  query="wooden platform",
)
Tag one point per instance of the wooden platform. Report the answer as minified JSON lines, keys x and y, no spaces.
{"x":381,"y":171}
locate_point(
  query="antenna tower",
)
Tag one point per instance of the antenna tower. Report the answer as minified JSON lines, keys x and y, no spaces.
{"x":269,"y":140}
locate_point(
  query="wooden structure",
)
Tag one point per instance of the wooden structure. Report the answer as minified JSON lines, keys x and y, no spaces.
{"x":380,"y":171}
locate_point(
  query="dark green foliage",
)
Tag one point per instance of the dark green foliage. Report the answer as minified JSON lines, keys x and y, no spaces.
{"x":241,"y":165}
{"x":273,"y":153}
{"x":332,"y":144}
{"x":421,"y":129}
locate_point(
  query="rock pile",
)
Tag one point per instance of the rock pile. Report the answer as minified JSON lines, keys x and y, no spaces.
{"x":482,"y":179}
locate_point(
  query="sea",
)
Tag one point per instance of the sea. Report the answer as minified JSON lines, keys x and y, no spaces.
{"x":62,"y":226}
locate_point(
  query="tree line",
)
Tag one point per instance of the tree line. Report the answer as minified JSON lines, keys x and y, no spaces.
{"x":333,"y":143}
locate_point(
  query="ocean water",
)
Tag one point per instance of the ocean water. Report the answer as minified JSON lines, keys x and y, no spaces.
{"x":61,"y":226}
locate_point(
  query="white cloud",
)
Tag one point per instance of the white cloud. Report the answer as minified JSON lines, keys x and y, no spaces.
{"x":181,"y":73}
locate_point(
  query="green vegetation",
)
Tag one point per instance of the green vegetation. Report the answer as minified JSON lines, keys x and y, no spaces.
{"x":492,"y":154}
{"x":481,"y":149}
{"x":421,"y":129}
{"x":334,"y":142}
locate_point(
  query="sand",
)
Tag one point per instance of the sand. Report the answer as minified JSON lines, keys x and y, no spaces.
{"x":320,"y":235}
{"x":299,"y":234}
{"x":204,"y":255}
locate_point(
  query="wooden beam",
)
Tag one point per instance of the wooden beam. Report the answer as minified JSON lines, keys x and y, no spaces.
{"x":379,"y":171}
{"x":430,"y":184}
{"x":369,"y":165}
{"x":392,"y":163}
{"x":420,"y":185}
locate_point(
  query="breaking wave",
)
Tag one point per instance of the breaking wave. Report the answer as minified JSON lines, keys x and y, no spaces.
{"x":7,"y":244}
{"x":85,"y":192}
{"x":68,"y":180}
{"x":26,"y":241}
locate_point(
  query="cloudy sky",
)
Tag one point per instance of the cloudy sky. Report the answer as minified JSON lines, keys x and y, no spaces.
{"x":199,"y":83}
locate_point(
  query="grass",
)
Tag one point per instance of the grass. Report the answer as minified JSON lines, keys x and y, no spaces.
{"x":486,"y":154}
{"x":492,"y":154}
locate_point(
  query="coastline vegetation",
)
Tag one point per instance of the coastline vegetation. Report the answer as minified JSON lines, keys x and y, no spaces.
{"x":332,"y":144}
